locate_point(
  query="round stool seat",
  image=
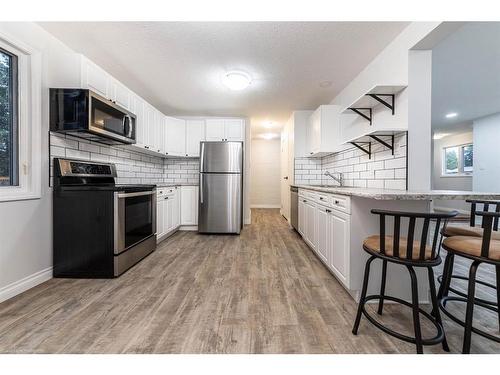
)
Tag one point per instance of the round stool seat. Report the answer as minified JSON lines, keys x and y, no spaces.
{"x":467,"y":230}
{"x":372,"y":244}
{"x":471,"y":246}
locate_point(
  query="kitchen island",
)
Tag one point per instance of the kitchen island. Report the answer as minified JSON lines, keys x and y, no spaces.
{"x":334,"y":221}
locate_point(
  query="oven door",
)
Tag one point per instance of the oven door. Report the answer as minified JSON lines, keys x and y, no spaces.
{"x":135,"y":218}
{"x":110,"y":120}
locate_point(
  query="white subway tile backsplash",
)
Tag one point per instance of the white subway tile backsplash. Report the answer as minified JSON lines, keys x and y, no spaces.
{"x":381,"y":170}
{"x":132,"y":167}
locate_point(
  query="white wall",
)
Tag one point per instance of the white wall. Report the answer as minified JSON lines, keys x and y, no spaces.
{"x":26,"y":226}
{"x":391,"y":66}
{"x":440,"y":182}
{"x":265,"y":180}
{"x":486,"y":155}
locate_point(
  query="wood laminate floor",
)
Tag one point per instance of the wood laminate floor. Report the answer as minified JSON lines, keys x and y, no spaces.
{"x":261,"y":292}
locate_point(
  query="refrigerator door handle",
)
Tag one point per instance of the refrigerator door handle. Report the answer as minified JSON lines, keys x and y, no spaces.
{"x":201,"y":188}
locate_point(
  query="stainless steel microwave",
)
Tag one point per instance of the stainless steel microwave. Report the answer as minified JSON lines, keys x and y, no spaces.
{"x":85,"y":114}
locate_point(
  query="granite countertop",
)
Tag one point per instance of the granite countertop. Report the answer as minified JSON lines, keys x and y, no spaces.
{"x":390,"y":194}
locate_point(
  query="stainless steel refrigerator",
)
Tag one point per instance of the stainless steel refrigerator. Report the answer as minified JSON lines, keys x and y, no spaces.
{"x":221,"y":187}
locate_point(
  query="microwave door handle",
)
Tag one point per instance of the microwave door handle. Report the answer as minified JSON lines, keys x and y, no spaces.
{"x":127,"y":125}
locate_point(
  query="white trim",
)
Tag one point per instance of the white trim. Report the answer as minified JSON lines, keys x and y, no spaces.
{"x":449,"y":209}
{"x":265,"y":206}
{"x":30,"y":121}
{"x":20,"y":286}
{"x":188,"y":228}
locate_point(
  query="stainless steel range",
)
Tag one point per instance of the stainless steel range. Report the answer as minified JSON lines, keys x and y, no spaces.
{"x":100,"y":229}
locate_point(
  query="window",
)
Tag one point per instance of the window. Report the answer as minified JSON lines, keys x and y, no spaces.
{"x":458,"y":160}
{"x":8,"y":119}
{"x":20,"y":120}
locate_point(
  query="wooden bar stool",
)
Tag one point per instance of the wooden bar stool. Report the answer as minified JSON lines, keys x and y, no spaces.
{"x":480,"y":250}
{"x":471,"y":229}
{"x":410,"y":253}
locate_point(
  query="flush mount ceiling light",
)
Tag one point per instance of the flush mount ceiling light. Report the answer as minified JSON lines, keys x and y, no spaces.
{"x":451,"y":115}
{"x":269,"y":136}
{"x":268,"y":124}
{"x":236,"y":80}
{"x":325,"y":84}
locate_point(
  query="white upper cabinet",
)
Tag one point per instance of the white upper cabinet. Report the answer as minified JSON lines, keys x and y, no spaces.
{"x":323,"y":131}
{"x":225,"y":130}
{"x":195,"y":133}
{"x":214,"y":130}
{"x":120,"y":94}
{"x":176,"y":136}
{"x":235,"y":129}
{"x":94,"y":78}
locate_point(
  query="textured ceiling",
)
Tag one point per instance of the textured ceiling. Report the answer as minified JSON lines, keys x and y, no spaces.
{"x":177,"y":65}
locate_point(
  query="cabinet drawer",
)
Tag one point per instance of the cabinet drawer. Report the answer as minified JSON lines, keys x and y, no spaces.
{"x":323,"y":198}
{"x":341,"y":203}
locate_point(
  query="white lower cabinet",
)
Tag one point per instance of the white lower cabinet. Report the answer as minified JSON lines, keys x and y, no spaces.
{"x":176,"y":206}
{"x":326,"y":228}
{"x":167,"y":211}
{"x":189,"y":205}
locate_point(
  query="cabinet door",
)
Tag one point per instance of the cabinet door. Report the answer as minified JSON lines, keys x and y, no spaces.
{"x":340,"y":243}
{"x":322,"y":233}
{"x":176,"y":212}
{"x":195,"y":133}
{"x":121,"y":94}
{"x":94,"y":78}
{"x":189,"y":205}
{"x":214,"y":129}
{"x":302,"y":215}
{"x":159,"y":132}
{"x":176,"y":136}
{"x":137,"y":108}
{"x":149,"y":129}
{"x":160,"y":217}
{"x":310,"y":225}
{"x":234,"y":130}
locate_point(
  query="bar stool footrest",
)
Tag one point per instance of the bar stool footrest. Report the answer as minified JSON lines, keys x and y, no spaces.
{"x":464,"y":295}
{"x":442,"y":306}
{"x":432,"y":341}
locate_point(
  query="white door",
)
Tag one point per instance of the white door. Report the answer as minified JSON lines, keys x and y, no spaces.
{"x":322,"y":233}
{"x":214,"y":130}
{"x":285,"y":181}
{"x":340,"y":243}
{"x":189,"y":205}
{"x":121,"y":94}
{"x":149,"y":130}
{"x":302,"y":216}
{"x":94,"y":78}
{"x":195,"y":133}
{"x":176,"y":212}
{"x":234,"y":130}
{"x":137,"y":108}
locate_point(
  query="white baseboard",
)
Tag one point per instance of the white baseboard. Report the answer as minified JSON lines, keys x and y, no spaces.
{"x":17,"y":287}
{"x":265,"y":206}
{"x":189,"y":227}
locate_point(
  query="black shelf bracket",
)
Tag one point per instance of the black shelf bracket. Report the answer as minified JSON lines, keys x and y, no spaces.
{"x":364,"y":115}
{"x":366,"y":151}
{"x":390,"y":145}
{"x":378,"y":98}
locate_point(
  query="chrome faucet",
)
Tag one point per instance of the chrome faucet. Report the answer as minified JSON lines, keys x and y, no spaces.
{"x":339,"y":179}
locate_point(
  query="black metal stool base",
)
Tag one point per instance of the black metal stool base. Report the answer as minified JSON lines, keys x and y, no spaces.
{"x":432,"y":341}
{"x":464,"y":295}
{"x":477,"y":302}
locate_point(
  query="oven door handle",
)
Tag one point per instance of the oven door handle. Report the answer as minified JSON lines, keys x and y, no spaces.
{"x":137,"y":194}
